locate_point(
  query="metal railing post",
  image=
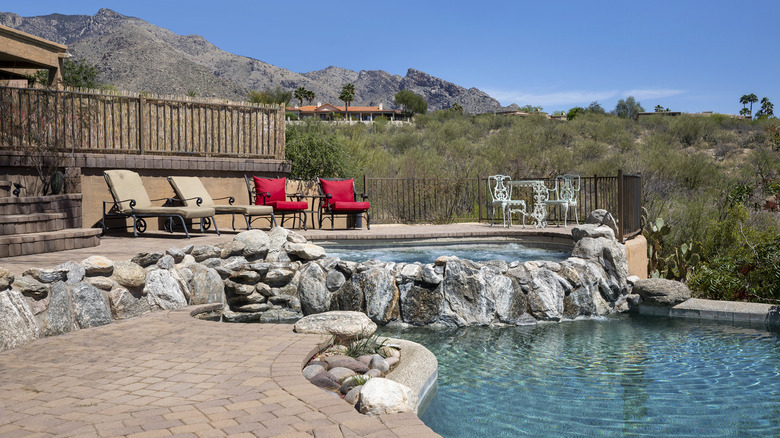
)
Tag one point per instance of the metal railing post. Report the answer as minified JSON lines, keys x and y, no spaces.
{"x":621,"y":206}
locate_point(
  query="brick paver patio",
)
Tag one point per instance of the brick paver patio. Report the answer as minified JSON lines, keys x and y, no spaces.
{"x":168,"y":374}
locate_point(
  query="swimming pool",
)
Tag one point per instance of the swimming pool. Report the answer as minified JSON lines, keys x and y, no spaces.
{"x":626,"y":375}
{"x":428,"y":252}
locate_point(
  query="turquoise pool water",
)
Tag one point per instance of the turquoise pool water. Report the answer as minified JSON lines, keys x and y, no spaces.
{"x":623,"y":376}
{"x":427,"y":253}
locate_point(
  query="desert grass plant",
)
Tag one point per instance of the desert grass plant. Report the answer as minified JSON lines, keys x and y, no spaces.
{"x":365,"y":344}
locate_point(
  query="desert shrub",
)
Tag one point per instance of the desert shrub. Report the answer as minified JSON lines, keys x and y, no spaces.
{"x":314,"y":152}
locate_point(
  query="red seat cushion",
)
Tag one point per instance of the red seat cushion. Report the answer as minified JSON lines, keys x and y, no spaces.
{"x":273,"y":186}
{"x":288,"y":205}
{"x":350,"y":206}
{"x":340,"y":191}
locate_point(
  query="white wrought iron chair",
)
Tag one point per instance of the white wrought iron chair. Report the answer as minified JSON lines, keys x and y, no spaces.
{"x":502,"y":197}
{"x":565,"y":194}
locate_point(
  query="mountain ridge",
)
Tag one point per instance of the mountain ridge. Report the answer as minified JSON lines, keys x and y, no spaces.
{"x":136,"y":55}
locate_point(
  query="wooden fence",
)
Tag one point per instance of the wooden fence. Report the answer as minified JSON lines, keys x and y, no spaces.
{"x":418,"y":200}
{"x":136,"y":124}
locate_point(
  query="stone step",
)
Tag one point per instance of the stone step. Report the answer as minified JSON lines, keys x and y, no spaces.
{"x":41,"y":204}
{"x":37,"y":243}
{"x":36,"y":223}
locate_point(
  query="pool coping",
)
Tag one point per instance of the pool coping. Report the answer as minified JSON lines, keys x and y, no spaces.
{"x":726,"y":311}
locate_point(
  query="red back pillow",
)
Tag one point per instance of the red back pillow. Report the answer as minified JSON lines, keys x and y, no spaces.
{"x":341,"y":190}
{"x":274,"y":186}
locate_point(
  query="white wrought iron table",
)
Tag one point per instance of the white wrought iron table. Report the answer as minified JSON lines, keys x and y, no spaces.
{"x":539,"y":213}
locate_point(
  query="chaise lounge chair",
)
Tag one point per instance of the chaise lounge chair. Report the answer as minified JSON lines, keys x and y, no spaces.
{"x":191,"y":191}
{"x":271,"y":192}
{"x":132,"y":201}
{"x":338,"y":197}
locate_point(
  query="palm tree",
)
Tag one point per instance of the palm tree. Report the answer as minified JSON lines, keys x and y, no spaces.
{"x":300,"y":94}
{"x":310,"y":96}
{"x":347,"y":95}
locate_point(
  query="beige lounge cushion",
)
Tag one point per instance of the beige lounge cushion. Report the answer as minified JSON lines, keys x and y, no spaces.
{"x":185,"y":212}
{"x":126,"y":185}
{"x":249,"y":210}
{"x":189,"y":188}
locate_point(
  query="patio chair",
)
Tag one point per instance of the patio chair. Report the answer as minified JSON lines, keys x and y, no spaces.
{"x":501,"y":192}
{"x":565,"y":194}
{"x":192,"y":193}
{"x":132,"y":201}
{"x":337,"y":196}
{"x":271,"y":192}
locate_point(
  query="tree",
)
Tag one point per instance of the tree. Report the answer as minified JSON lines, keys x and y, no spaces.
{"x":300,"y":94}
{"x":660,"y":109}
{"x":411,"y":103}
{"x":275,"y":96}
{"x":80,"y":74}
{"x":767,"y":109}
{"x":595,"y":108}
{"x":748,"y":99}
{"x":455,"y":107}
{"x":530,"y":109}
{"x":347,"y":95}
{"x":310,"y":96}
{"x":628,"y":108}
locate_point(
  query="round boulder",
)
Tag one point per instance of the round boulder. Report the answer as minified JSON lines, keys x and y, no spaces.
{"x":661,"y":292}
{"x":344,"y":325}
{"x":381,"y":396}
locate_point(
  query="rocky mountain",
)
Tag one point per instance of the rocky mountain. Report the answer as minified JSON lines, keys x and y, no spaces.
{"x":138,"y":56}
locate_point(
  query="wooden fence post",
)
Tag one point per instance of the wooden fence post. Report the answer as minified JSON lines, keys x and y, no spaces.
{"x":596,"y":192}
{"x":141,"y":129}
{"x":621,"y":207}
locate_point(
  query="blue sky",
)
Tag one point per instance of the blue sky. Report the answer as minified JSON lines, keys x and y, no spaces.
{"x":687,"y":55}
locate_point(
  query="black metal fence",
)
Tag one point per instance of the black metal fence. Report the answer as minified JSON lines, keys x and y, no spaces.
{"x":428,"y":200}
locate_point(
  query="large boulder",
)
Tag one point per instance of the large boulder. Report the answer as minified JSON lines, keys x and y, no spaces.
{"x":466,"y":297}
{"x":97,"y":265}
{"x":163,"y":292}
{"x":6,"y":278}
{"x":661,"y":292}
{"x":344,"y":325}
{"x":610,"y":255}
{"x":129,"y":274}
{"x":380,"y":396}
{"x":420,"y":302}
{"x":206,"y":285}
{"x":256,"y":243}
{"x":305,"y":251}
{"x":602,"y":217}
{"x":312,"y":291}
{"x":90,"y":309}
{"x":545,"y":295}
{"x":380,"y":292}
{"x":593,"y":231}
{"x":17,"y":323}
{"x":58,"y":317}
{"x":127,"y":303}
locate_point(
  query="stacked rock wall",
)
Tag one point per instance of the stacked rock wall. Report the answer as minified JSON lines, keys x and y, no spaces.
{"x":279,"y":277}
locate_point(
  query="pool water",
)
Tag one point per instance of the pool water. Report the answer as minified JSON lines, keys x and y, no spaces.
{"x":475,"y":251}
{"x":618,"y":376}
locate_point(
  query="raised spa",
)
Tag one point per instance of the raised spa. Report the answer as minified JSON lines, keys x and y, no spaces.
{"x":429,"y":251}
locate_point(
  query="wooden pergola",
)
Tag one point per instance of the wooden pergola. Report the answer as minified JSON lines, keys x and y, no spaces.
{"x":22,"y":54}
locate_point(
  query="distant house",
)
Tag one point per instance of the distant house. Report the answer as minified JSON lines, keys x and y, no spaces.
{"x":361,"y":113}
{"x":680,"y":113}
{"x":519,"y":113}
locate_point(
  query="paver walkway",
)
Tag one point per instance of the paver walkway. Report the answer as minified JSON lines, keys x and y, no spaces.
{"x":168,"y":374}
